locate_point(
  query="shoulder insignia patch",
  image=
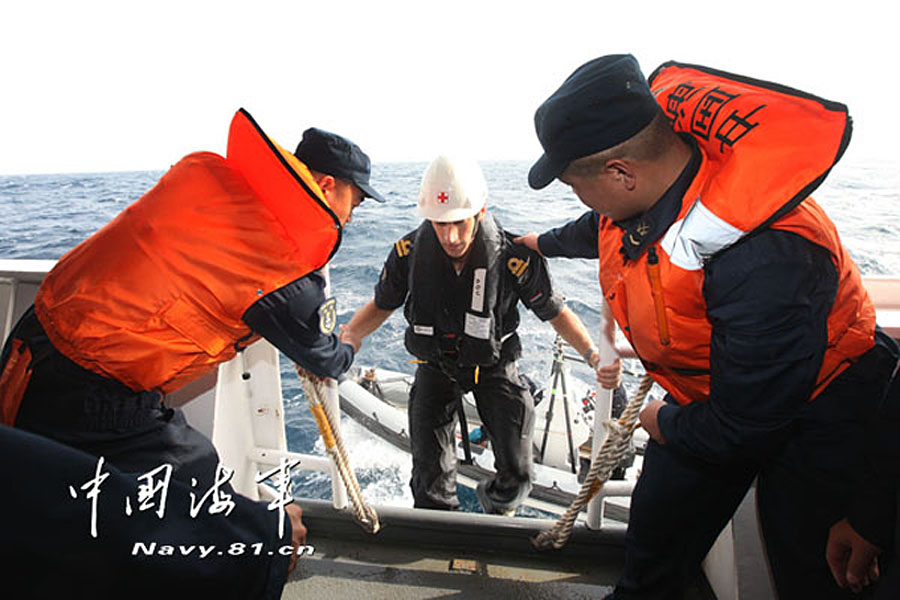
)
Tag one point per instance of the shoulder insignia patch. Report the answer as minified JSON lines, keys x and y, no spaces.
{"x":328,"y":316}
{"x":517,"y":266}
{"x":403,"y":247}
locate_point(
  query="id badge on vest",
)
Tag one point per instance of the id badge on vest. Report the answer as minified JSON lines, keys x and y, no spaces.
{"x":478,"y":327}
{"x":475,"y":326}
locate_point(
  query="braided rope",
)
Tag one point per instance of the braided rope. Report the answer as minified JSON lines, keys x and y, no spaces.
{"x":614,"y":447}
{"x":314,"y":388}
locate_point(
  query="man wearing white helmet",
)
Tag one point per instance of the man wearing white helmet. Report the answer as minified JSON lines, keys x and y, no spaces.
{"x":460,"y":279}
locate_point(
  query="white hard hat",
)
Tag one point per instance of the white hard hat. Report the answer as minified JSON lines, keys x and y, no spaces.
{"x":452,"y":189}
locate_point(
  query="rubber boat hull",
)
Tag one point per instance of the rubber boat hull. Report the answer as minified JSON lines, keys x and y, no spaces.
{"x":554,"y":489}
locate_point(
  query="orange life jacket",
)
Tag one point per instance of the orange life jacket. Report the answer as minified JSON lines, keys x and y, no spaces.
{"x":764,"y":149}
{"x":155,"y":298}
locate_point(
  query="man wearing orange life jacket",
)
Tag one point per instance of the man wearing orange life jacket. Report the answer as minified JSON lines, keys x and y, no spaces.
{"x":732,"y":286}
{"x":219,"y":252}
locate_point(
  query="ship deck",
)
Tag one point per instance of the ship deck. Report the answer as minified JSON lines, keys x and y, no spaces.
{"x":431,"y":554}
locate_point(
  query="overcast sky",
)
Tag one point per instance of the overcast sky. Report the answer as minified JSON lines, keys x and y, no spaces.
{"x":108,"y":86}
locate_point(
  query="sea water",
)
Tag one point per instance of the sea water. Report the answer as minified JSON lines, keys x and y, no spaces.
{"x":43,"y":216}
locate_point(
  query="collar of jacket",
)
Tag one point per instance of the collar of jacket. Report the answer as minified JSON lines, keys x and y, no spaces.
{"x":641,"y":231}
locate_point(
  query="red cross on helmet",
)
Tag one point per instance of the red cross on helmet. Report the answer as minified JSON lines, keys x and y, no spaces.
{"x":452,"y":189}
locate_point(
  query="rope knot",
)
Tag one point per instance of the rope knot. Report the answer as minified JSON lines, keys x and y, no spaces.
{"x":619,"y":432}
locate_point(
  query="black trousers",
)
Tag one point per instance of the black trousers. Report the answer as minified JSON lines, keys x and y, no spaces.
{"x":47,"y":550}
{"x":506,"y":408}
{"x":889,"y":586}
{"x":131,"y":430}
{"x":680,"y":504}
{"x":80,"y":416}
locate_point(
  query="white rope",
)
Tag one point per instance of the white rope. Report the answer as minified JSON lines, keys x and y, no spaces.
{"x":314,"y":388}
{"x":611,"y":452}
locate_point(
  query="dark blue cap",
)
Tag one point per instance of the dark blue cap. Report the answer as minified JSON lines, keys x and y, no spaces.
{"x":603,"y":103}
{"x":337,"y":156}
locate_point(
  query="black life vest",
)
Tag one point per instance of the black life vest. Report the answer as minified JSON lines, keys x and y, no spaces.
{"x":457,"y":334}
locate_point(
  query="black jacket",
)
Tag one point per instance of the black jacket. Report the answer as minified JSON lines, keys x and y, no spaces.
{"x":526,"y":278}
{"x":298,"y":320}
{"x":781,"y":287}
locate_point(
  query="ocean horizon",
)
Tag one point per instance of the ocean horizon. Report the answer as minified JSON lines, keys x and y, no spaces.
{"x":45,"y":215}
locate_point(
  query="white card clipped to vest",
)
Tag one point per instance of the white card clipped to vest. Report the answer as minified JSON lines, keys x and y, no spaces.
{"x":478,"y":327}
{"x":478,"y":277}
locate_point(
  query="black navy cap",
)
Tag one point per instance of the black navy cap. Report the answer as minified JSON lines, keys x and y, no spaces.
{"x":337,"y":156}
{"x":603,"y":103}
